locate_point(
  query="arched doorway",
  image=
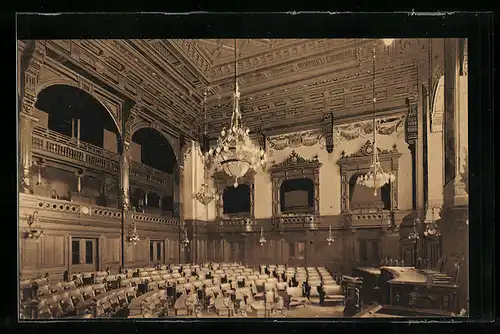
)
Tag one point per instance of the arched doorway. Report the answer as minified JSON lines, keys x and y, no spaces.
{"x":76,"y":114}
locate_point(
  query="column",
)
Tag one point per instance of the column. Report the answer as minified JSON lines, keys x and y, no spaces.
{"x":124,"y":199}
{"x":31,"y":64}
{"x":26,"y":126}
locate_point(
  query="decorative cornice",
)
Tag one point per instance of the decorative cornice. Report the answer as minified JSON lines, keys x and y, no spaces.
{"x":295,"y":159}
{"x":367,"y":150}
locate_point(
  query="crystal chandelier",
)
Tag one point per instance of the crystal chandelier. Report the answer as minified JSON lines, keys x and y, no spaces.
{"x":205,"y":195}
{"x":262,"y":240}
{"x":34,"y":231}
{"x":235,"y":153}
{"x":414,"y":234}
{"x":134,"y":236}
{"x":330,"y":238}
{"x":376,"y":177}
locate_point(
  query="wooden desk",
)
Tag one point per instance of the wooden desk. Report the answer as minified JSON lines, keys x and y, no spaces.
{"x":370,"y":291}
{"x":408,"y":287}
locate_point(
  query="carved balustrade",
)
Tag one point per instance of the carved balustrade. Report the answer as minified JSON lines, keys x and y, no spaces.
{"x":50,"y":143}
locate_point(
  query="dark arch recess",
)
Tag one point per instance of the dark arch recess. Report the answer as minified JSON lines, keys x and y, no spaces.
{"x":63,"y":103}
{"x":156,"y":150}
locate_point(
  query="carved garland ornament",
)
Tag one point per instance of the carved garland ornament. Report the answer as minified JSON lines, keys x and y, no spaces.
{"x":364,"y":129}
{"x":297,"y":139}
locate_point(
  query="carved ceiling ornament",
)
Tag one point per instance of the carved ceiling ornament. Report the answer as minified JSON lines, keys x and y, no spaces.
{"x":367,"y":151}
{"x":364,"y":129}
{"x":297,"y":139}
{"x":295,"y":159}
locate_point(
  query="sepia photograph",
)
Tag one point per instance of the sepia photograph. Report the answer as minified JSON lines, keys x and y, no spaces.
{"x":243,"y":178}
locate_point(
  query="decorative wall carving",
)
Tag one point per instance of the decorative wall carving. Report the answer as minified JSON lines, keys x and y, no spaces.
{"x":360,"y":162}
{"x":295,"y":159}
{"x":364,"y":129}
{"x":294,"y":167}
{"x":297,"y":139}
{"x":366,"y":150}
{"x":328,"y":122}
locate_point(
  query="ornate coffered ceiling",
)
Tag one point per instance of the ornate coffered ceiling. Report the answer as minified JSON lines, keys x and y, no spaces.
{"x":282,"y":81}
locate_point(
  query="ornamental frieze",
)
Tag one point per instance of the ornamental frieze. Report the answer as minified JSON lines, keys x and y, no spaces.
{"x":367,"y":150}
{"x":295,"y":159}
{"x":295,"y":140}
{"x":364,"y":129}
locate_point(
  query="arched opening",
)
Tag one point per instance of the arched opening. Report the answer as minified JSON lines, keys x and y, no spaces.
{"x":72,"y":112}
{"x":137,"y":199}
{"x":236,"y":200}
{"x":151,"y":148}
{"x":359,"y":194}
{"x":297,"y":196}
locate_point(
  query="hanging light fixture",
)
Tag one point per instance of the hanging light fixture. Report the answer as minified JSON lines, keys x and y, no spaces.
{"x":376,"y":177}
{"x":235,"y":153}
{"x":388,"y":41}
{"x":414,"y":234}
{"x":205,"y":195}
{"x":262,"y":240}
{"x":34,"y":230}
{"x":134,"y":236}
{"x":330,"y":238}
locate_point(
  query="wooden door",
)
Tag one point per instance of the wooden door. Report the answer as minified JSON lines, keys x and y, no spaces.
{"x":84,"y":255}
{"x":156,"y":252}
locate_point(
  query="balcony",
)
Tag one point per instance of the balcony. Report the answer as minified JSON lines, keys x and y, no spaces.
{"x":368,"y":215}
{"x":73,"y":210}
{"x":48,"y":143}
{"x":296,"y":221}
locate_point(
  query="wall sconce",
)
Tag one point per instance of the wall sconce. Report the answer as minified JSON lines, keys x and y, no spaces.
{"x":134,"y":236}
{"x":262,"y":239}
{"x":34,"y":230}
{"x":414,"y":234}
{"x":185,"y":240}
{"x":330,"y":238}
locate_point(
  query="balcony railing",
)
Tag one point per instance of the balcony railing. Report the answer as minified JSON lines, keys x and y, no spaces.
{"x":81,"y":209}
{"x":46,"y":141}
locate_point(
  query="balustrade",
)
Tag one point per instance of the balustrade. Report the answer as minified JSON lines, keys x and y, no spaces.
{"x":47,"y":141}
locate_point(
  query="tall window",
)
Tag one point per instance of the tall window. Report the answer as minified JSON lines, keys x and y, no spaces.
{"x":75,"y":252}
{"x":89,"y":252}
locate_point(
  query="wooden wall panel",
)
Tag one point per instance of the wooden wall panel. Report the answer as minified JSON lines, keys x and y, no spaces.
{"x":53,"y":250}
{"x":29,"y":253}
